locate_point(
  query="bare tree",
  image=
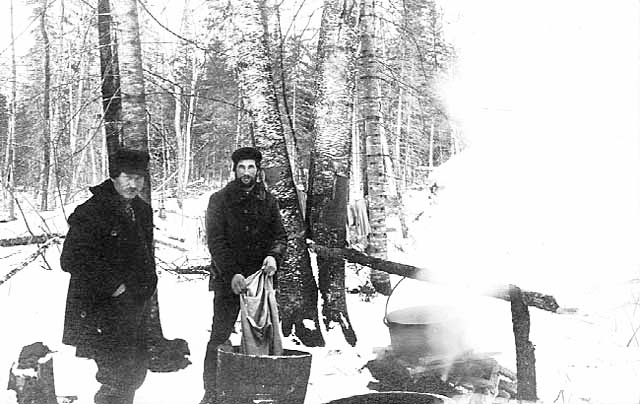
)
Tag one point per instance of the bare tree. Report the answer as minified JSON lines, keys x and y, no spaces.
{"x":111,"y":103}
{"x":185,"y":75}
{"x":133,"y":128}
{"x":371,"y":112}
{"x":132,"y":94}
{"x":328,"y":192}
{"x":9,"y":157}
{"x":46,"y":110}
{"x":298,"y":291}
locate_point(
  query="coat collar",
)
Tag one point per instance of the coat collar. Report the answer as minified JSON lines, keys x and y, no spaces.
{"x":107,"y":193}
{"x":237,"y":194}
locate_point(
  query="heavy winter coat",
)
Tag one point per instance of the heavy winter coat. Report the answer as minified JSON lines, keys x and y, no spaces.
{"x":104,"y":249}
{"x":242,"y":229}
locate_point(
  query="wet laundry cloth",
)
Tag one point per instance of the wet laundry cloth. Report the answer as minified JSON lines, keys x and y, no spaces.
{"x":261,"y":330}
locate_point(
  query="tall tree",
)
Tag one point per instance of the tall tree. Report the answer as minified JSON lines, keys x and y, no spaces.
{"x":185,"y":74}
{"x":132,"y":128}
{"x":298,"y":291}
{"x":9,"y":157}
{"x":81,"y":145}
{"x":46,"y":109}
{"x":328,"y":191}
{"x":371,"y":111}
{"x":111,"y":103}
{"x":133,"y":133}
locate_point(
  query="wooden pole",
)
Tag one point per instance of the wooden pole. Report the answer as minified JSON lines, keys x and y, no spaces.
{"x":525,"y":351}
{"x":534,"y":299}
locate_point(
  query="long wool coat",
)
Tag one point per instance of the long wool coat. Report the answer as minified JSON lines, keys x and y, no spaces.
{"x":103,"y":249}
{"x":242,"y":229}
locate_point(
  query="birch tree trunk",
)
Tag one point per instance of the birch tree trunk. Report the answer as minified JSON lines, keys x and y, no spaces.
{"x":74,"y":126}
{"x":191,"y":112}
{"x":134,"y":111}
{"x":46,"y":111}
{"x":177,"y":128}
{"x":371,"y":111}
{"x":133,"y":130}
{"x":181,"y":115}
{"x":9,"y":157}
{"x":298,"y":291}
{"x":111,"y":102}
{"x":328,"y":192}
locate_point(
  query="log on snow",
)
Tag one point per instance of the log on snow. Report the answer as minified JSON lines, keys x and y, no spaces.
{"x":32,"y":257}
{"x":194,"y":270}
{"x":31,"y":239}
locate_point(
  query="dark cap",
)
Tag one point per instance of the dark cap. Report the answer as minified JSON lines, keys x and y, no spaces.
{"x":246,"y":153}
{"x":129,"y":161}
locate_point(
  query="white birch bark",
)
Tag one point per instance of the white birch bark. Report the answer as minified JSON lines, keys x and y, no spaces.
{"x":298,"y":291}
{"x":371,"y":111}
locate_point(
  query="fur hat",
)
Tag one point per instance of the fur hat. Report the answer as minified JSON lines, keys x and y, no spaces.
{"x":246,"y":153}
{"x":128,"y":161}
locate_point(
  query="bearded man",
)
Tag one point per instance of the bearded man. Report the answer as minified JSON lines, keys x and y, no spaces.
{"x":245,"y":234}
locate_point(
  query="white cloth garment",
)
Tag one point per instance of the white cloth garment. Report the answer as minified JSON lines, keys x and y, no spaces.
{"x":261,"y":330}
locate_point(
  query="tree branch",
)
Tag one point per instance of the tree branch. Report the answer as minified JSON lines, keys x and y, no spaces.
{"x":32,"y":239}
{"x":30,"y":259}
{"x":533,"y":299}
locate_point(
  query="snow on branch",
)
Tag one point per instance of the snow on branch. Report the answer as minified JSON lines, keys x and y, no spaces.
{"x":40,"y":251}
{"x":31,"y":239}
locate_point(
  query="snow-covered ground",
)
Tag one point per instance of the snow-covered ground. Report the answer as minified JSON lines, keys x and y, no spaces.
{"x":592,"y":356}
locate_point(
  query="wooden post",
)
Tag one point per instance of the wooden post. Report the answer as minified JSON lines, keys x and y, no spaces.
{"x":525,"y":351}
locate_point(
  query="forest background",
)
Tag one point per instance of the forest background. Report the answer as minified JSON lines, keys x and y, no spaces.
{"x":328,"y":92}
{"x":192,"y":88}
{"x":539,"y":101}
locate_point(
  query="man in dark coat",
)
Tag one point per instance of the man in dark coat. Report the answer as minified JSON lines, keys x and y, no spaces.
{"x":109,"y":253}
{"x":245,"y":234}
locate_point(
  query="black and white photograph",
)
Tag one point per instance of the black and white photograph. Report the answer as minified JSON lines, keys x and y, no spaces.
{"x":319,"y":202}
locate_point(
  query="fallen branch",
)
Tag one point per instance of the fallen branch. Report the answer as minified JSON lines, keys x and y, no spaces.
{"x":533,"y":299}
{"x":30,"y":259}
{"x":168,"y":244}
{"x":31,"y":239}
{"x":178,"y":270}
{"x":195,"y":270}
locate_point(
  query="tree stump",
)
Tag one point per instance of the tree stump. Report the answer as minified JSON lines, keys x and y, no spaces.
{"x":32,"y":376}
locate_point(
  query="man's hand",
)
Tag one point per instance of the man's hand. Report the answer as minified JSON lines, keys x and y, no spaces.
{"x":269,"y":265}
{"x":238,"y":284}
{"x":121,"y":289}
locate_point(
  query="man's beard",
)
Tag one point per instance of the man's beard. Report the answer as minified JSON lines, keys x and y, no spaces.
{"x":246,"y":181}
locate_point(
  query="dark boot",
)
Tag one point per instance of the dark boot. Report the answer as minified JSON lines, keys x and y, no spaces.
{"x":209,"y":375}
{"x":108,"y":394}
{"x":208,"y":398}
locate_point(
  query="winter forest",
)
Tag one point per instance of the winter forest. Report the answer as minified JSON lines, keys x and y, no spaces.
{"x":352,"y":97}
{"x":203,"y":74}
{"x":473,"y":145}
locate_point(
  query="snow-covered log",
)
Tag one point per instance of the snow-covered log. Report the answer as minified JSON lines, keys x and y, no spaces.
{"x":29,"y":259}
{"x":31,"y":239}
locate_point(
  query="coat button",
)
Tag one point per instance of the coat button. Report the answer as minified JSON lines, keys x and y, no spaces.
{"x":99,"y":330}
{"x":83,"y":314}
